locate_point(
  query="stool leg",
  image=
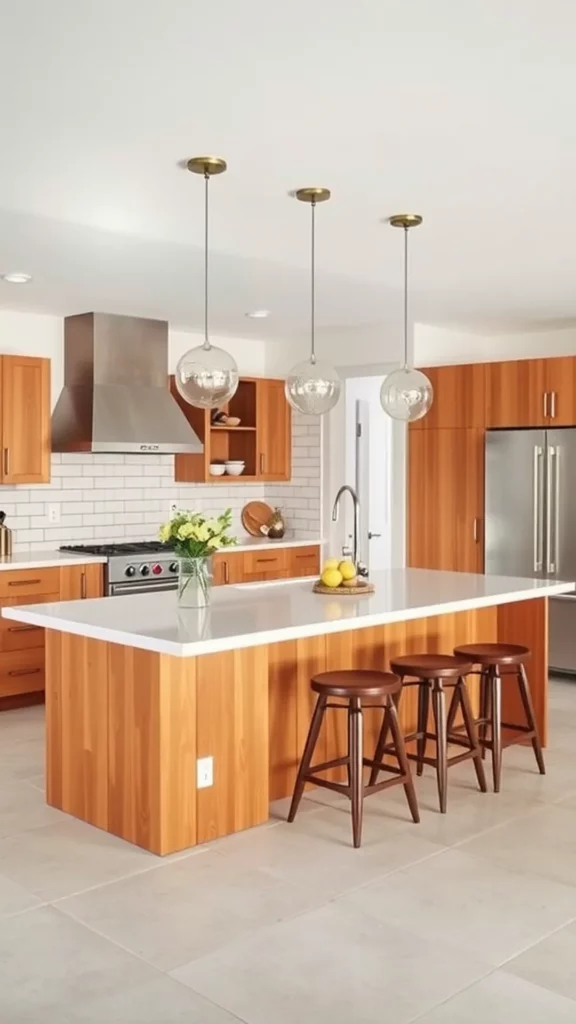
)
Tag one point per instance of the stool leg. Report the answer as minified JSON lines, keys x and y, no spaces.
{"x":472,"y":734}
{"x":382,"y":737}
{"x":306,"y":761}
{"x":495,"y":683}
{"x":355,"y":753}
{"x":452,"y":711}
{"x":439,"y":709}
{"x":484,"y":709}
{"x":403,"y":761}
{"x":423,"y":705}
{"x":530,"y":717}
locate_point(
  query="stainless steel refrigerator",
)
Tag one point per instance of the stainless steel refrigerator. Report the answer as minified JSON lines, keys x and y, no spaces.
{"x":530,"y":526}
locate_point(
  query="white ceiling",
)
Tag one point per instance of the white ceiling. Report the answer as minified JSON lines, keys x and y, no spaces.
{"x":462,"y":111}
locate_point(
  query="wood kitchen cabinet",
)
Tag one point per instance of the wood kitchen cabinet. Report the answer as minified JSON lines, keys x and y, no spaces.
{"x":459,"y":397}
{"x":25,"y":420}
{"x":446,"y":499}
{"x":274,"y":434}
{"x":22,"y":646}
{"x":262,"y":440}
{"x":265,"y":563}
{"x":531,"y":393}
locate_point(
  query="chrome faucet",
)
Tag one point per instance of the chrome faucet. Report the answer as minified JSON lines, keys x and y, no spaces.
{"x":336,"y":510}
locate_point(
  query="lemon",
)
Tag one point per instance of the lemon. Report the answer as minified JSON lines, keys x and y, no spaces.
{"x":331,"y":578}
{"x":347,"y":570}
{"x":330,"y":563}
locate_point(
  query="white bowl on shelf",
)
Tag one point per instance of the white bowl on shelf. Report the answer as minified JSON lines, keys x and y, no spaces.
{"x":217,"y":469}
{"x":235,"y":468}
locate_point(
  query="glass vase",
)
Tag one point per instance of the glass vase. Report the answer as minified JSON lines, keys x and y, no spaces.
{"x":194,"y":582}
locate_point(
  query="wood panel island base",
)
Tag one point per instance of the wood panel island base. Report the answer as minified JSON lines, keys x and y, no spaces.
{"x":137,"y":692}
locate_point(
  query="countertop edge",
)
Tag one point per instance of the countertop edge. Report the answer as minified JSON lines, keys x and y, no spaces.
{"x":47,"y":560}
{"x":285,"y":633}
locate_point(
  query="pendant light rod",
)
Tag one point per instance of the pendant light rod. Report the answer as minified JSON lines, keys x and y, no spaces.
{"x":405,"y":221}
{"x":207,"y":166}
{"x":313,"y":196}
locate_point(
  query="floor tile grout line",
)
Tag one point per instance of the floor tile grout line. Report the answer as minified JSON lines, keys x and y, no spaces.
{"x":141,"y":959}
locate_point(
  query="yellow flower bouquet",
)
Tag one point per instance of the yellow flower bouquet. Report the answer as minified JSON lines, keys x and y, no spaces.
{"x":194,"y":539}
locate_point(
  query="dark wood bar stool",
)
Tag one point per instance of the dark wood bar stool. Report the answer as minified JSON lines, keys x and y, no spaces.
{"x":495,"y":662}
{"x":356,"y":685}
{"x":432,"y":673}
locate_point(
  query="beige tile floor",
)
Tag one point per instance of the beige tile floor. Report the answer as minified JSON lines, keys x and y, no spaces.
{"x":464,"y":919}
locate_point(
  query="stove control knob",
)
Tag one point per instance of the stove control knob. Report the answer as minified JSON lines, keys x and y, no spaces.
{"x":173,"y":566}
{"x":130,"y":570}
{"x":157,"y":569}
{"x":144,"y":570}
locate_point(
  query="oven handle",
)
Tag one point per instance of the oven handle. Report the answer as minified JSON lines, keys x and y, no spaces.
{"x":141,"y":587}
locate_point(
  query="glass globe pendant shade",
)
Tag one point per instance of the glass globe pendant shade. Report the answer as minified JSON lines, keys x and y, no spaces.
{"x":406,"y":394}
{"x":206,"y":376}
{"x":312,"y":387}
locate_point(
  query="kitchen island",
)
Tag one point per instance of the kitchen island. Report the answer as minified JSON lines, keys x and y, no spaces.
{"x":137,"y":691}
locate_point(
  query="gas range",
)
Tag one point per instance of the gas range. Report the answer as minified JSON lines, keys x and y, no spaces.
{"x":131,"y":568}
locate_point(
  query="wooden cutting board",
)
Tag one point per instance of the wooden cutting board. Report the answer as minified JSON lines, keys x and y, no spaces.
{"x":255,"y":515}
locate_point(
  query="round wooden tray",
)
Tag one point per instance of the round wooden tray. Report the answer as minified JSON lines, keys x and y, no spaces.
{"x":367,"y":588}
{"x":255,"y":515}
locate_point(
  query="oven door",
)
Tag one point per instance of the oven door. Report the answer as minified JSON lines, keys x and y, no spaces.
{"x":141,"y":587}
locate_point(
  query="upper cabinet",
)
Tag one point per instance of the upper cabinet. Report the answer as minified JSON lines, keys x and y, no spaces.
{"x":459,"y":397}
{"x":25,"y":420}
{"x":531,"y":393}
{"x":262,"y":439}
{"x":274,"y":434}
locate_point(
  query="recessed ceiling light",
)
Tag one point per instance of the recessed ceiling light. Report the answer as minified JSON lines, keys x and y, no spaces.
{"x":16,"y":278}
{"x":258,"y":314}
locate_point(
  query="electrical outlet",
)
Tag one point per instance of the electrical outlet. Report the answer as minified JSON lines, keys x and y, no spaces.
{"x":173,"y":508}
{"x":204,"y":772}
{"x":53,"y":513}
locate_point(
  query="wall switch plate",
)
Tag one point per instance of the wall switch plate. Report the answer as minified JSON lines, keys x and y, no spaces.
{"x":54,"y":513}
{"x":204,"y":772}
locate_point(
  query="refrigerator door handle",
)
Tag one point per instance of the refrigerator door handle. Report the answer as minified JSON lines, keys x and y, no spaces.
{"x":553,"y":507}
{"x":537,"y":509}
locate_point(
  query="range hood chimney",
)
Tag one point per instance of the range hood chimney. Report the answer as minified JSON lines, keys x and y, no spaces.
{"x":116,"y":395}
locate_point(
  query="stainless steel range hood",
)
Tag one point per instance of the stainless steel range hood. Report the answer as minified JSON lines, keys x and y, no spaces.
{"x":116,"y":395}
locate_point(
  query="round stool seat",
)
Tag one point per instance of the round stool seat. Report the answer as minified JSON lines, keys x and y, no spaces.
{"x":494,"y":654}
{"x":431,"y":666}
{"x":355,"y":683}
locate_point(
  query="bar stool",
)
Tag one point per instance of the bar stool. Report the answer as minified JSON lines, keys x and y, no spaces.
{"x":494,"y":661}
{"x":354,"y":686}
{"x":432,"y":673}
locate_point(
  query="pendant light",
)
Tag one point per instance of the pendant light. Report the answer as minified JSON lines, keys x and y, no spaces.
{"x":406,"y":394}
{"x":313,"y":387}
{"x":206,"y":376}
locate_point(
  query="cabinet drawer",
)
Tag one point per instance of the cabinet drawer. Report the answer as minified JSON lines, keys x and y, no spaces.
{"x":26,"y":583}
{"x":21,"y":672}
{"x":263,"y":576}
{"x":304,"y":561}
{"x":18,"y":636}
{"x":265,"y":560}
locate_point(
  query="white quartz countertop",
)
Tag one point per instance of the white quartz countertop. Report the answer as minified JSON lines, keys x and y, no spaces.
{"x":290,"y":540}
{"x":46,"y":559}
{"x":251,"y":614}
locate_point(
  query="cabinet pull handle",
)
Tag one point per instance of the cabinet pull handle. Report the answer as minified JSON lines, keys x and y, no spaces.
{"x":273,"y":559}
{"x":24,"y":672}
{"x":545,"y":398}
{"x":553,"y":405}
{"x":262,"y":461}
{"x":226,"y":573}
{"x":6,"y":461}
{"x":22,"y":583}
{"x":306,"y":556}
{"x":83,"y":585}
{"x":23,"y":629}
{"x":475,"y":530}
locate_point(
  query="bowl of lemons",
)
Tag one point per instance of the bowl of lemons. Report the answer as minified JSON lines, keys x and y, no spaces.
{"x":341,"y":576}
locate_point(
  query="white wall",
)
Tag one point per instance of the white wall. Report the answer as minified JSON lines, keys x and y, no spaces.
{"x":434,"y":346}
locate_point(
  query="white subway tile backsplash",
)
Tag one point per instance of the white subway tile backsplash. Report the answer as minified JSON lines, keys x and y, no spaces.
{"x":127,"y":497}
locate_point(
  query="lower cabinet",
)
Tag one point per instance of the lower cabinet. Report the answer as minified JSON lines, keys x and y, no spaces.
{"x":21,"y":645}
{"x":263,"y":564}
